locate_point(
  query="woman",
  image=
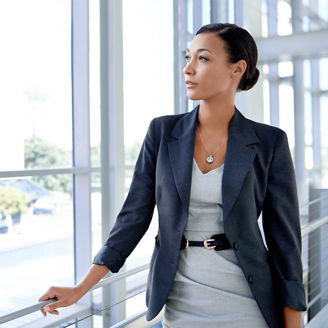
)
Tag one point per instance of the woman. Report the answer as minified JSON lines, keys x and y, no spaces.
{"x":211,"y":172}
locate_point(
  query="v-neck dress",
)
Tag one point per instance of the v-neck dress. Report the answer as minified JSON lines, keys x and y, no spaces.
{"x":210,"y":289}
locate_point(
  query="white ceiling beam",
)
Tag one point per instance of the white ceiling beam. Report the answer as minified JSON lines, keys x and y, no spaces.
{"x":298,"y":45}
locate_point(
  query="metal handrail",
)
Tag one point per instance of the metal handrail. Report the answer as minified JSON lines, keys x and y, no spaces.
{"x":314,"y":201}
{"x":305,"y":230}
{"x":48,"y":171}
{"x":309,"y":227}
{"x":40,"y":305}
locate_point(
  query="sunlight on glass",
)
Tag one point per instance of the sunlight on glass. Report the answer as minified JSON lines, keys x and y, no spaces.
{"x":308,"y":158}
{"x":324,"y":138}
{"x":324,"y":77}
{"x":286,"y":112}
{"x":284,"y":18}
{"x":35,"y":84}
{"x":285,"y":68}
{"x":308,"y":118}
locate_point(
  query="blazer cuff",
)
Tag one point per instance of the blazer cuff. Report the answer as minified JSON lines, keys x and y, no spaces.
{"x":109,"y":257}
{"x":293,"y":295}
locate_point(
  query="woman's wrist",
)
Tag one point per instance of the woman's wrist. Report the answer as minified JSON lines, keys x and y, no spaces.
{"x":95,"y":273}
{"x":292,"y":317}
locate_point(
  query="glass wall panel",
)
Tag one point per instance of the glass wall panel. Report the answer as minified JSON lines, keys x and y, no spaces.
{"x":148,"y":93}
{"x":94,"y":86}
{"x":35,"y":84}
{"x":284,"y":18}
{"x":286,"y":111}
{"x":36,"y":239}
{"x":324,"y":139}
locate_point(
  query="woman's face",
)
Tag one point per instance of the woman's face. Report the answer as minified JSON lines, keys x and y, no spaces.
{"x":208,"y":73}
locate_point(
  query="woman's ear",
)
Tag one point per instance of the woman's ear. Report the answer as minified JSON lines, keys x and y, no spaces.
{"x":238,"y":69}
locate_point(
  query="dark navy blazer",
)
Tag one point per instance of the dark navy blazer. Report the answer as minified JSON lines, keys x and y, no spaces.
{"x":258,"y":177}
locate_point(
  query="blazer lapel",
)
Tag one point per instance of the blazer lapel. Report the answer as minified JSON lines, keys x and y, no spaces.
{"x":181,"y":153}
{"x":238,"y":159}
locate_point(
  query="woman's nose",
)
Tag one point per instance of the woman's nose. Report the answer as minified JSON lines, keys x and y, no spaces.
{"x":188,"y":69}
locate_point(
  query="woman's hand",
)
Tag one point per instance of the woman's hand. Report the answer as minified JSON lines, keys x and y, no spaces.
{"x":68,"y":295}
{"x":65,"y":296}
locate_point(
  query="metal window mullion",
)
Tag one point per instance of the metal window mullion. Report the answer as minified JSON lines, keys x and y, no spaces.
{"x":298,"y":86}
{"x":239,"y":12}
{"x":180,"y":27}
{"x":81,"y":144}
{"x":316,"y":132}
{"x":197,"y":14}
{"x":315,"y":102}
{"x":218,"y":11}
{"x":112,"y":137}
{"x":197,"y":10}
{"x":273,"y":67}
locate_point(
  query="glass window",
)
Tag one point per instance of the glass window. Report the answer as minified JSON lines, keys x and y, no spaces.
{"x":94,"y":86}
{"x":148,"y":92}
{"x":284,"y":18}
{"x":324,"y":139}
{"x":36,"y":238}
{"x":148,"y":67}
{"x":323,"y":62}
{"x":36,"y":212}
{"x":35,"y":84}
{"x":286,"y":111}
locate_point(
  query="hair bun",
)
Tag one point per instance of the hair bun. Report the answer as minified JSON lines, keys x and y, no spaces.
{"x":249,"y":80}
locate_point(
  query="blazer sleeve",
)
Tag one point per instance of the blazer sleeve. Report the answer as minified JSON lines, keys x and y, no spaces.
{"x":135,"y":216}
{"x":281,"y":225}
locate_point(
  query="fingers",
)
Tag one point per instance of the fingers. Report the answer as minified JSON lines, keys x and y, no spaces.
{"x":44,"y":313}
{"x":53,"y":306}
{"x":52,"y":292}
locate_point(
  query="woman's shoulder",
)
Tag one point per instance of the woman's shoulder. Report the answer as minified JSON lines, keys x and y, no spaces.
{"x":165,"y":123}
{"x":167,"y":119}
{"x":264,"y":130}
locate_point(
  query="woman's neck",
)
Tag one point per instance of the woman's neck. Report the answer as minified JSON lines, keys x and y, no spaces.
{"x":215,"y":117}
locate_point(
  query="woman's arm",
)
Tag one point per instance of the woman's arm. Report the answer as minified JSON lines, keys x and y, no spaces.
{"x":293,"y":318}
{"x":130,"y":225}
{"x":281,"y":225}
{"x":68,"y":295}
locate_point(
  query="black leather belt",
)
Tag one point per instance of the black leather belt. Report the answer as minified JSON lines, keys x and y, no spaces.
{"x":217,"y":242}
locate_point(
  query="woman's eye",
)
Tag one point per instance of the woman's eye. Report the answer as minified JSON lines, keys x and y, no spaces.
{"x":202,"y":58}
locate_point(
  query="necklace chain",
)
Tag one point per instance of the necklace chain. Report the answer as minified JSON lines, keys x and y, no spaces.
{"x":210,"y":158}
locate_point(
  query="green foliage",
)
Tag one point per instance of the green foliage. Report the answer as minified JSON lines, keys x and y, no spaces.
{"x":12,"y":201}
{"x":41,"y":154}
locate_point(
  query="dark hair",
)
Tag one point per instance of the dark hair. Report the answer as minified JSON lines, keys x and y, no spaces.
{"x":239,"y":45}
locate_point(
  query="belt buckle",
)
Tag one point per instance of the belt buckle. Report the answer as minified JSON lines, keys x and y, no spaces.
{"x":206,"y":244}
{"x":187,"y":243}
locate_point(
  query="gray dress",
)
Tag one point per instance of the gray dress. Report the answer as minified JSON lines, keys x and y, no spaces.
{"x":209,"y":287}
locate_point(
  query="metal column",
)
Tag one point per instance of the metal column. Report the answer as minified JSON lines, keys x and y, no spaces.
{"x":81,"y":144}
{"x":273,"y":67}
{"x":298,"y":86}
{"x":315,"y":106}
{"x":180,"y":12}
{"x":112,"y":137}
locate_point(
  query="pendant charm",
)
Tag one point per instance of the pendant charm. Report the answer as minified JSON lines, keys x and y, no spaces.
{"x":210,"y":159}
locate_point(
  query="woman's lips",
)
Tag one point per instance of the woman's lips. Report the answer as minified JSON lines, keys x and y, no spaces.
{"x":190,"y":84}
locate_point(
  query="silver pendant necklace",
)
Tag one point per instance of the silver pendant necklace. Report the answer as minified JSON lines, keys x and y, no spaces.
{"x":210,"y":157}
